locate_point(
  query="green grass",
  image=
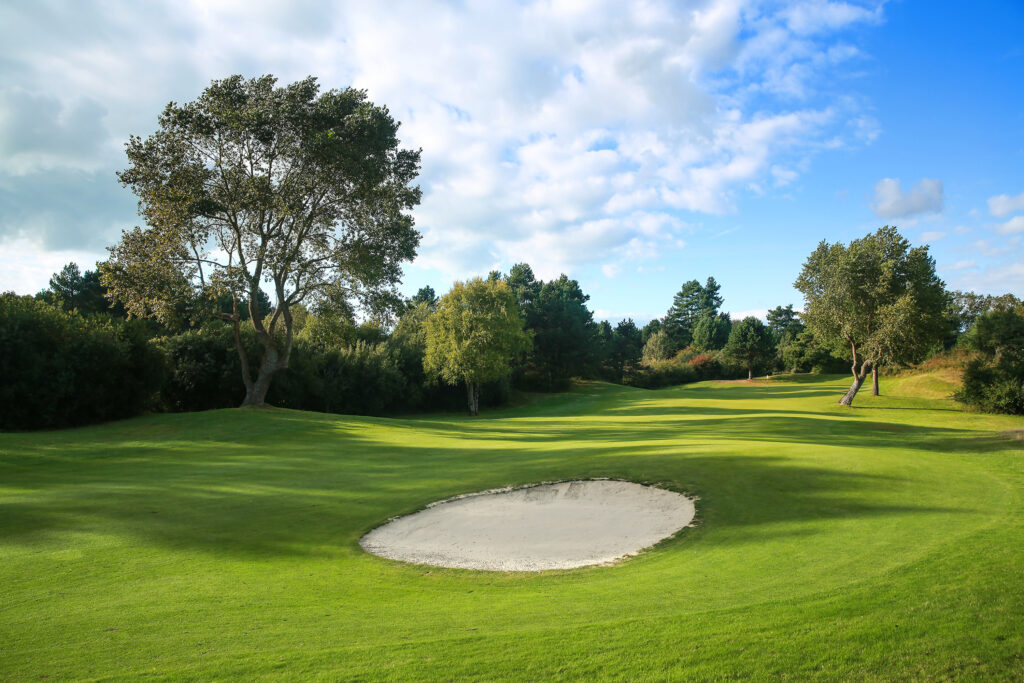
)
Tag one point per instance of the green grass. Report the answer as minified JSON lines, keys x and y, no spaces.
{"x":883,"y":542}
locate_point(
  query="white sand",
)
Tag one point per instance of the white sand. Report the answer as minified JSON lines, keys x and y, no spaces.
{"x":548,"y":526}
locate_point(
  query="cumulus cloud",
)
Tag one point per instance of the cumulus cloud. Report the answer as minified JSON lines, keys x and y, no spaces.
{"x":932,"y":236}
{"x":891,"y":202}
{"x":561,"y":133}
{"x":1003,"y":205}
{"x":1012,"y":226}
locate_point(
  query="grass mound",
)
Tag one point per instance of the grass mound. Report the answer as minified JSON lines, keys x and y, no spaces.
{"x":878,"y":542}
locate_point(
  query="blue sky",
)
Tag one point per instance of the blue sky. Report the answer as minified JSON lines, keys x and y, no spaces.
{"x":633,"y":146}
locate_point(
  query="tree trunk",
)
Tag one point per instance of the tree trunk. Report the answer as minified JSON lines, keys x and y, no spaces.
{"x":858,"y":380}
{"x":256,"y":392}
{"x":274,"y":358}
{"x":473,"y":396}
{"x":750,"y":373}
{"x":874,"y":380}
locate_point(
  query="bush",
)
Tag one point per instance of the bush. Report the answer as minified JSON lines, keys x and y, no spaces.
{"x":203,"y":368}
{"x":995,"y":381}
{"x":60,"y":369}
{"x":988,"y":386}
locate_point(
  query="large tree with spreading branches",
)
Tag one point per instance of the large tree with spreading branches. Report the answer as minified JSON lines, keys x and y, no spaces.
{"x":252,"y":185}
{"x":877,"y":298}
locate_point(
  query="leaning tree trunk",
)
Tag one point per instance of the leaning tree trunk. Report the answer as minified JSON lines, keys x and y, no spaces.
{"x":858,"y":380}
{"x":874,"y":380}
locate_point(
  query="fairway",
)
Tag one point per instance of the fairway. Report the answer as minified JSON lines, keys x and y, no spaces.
{"x":882,"y":542}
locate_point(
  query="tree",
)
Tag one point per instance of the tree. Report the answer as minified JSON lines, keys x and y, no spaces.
{"x":71,"y":289}
{"x":473,"y":336}
{"x":425,"y":295}
{"x":689,"y":304}
{"x":626,"y":347}
{"x":995,"y":381}
{"x":305,"y":191}
{"x":750,"y":344}
{"x":650,"y":329}
{"x":564,"y":332}
{"x":711,"y":332}
{"x":878,"y":297}
{"x":524,"y":285}
{"x":783,"y":321}
{"x":658,"y":347}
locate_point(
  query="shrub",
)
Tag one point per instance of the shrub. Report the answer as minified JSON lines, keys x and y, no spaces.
{"x":203,"y":369}
{"x":989,"y":387}
{"x":60,"y":369}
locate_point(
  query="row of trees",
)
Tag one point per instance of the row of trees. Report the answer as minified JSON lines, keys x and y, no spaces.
{"x":308,"y":194}
{"x":72,"y":357}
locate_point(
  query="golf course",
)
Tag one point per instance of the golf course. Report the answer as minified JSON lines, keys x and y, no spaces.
{"x":879,"y":542}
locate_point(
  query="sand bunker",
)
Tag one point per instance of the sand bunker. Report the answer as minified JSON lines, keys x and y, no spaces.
{"x":548,"y":526}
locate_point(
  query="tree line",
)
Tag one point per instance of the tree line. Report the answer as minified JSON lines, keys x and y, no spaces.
{"x":307,"y":194}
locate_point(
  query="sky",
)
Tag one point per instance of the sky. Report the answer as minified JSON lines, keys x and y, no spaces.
{"x":633,"y":146}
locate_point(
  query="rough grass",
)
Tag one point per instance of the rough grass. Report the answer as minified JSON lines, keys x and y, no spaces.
{"x":878,"y":543}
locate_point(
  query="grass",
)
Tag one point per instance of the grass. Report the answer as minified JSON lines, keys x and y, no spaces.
{"x":878,"y":543}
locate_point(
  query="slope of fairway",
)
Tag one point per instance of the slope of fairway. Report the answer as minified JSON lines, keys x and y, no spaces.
{"x":882,"y":542}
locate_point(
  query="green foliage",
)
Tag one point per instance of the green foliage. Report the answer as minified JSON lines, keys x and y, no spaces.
{"x":802,"y":353}
{"x":251,"y":184}
{"x":687,"y":365}
{"x":565,"y":338}
{"x":72,"y":289}
{"x":327,"y":332}
{"x":711,"y":332}
{"x":624,"y":349}
{"x":60,"y":369}
{"x":750,"y":344}
{"x":659,"y":347}
{"x":688,"y":306}
{"x":425,"y":295}
{"x":648,"y":330}
{"x":203,"y":368}
{"x":995,"y":381}
{"x":475,"y":333}
{"x":783,"y":321}
{"x":360,"y":379}
{"x":878,"y":297}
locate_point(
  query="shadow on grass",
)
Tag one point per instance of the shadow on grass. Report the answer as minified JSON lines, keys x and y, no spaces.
{"x":286,"y":483}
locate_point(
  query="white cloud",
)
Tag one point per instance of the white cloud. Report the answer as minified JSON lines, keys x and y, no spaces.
{"x":932,"y":236}
{"x":891,"y":202}
{"x":26,"y":268}
{"x":994,"y":279}
{"x":1012,"y":226}
{"x":962,"y":265}
{"x":1003,"y":205}
{"x":816,"y":16}
{"x":611,"y":270}
{"x":543,"y":125}
{"x":987,"y":249}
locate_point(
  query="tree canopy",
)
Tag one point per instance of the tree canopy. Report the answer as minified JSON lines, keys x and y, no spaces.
{"x":750,"y":344}
{"x":473,"y":335}
{"x":689,"y":304}
{"x":303,"y":191}
{"x":877,"y":298}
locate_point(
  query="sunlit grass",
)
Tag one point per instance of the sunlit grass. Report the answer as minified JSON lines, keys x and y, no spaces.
{"x":879,"y":542}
